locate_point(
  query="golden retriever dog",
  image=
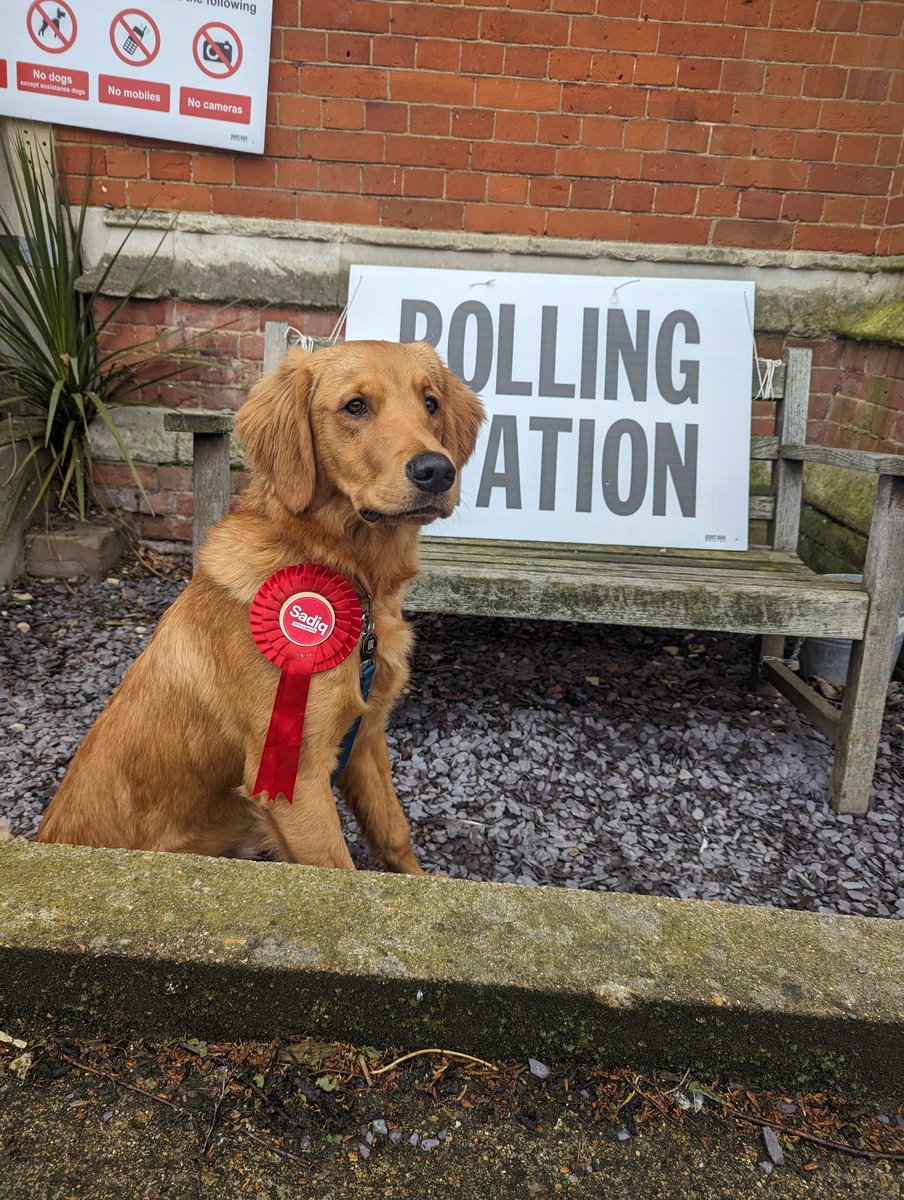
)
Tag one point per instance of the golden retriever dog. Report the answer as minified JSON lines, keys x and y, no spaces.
{"x":353,"y":448}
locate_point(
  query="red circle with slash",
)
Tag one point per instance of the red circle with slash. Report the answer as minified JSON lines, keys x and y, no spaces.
{"x":128,"y":37}
{"x":217,"y":50}
{"x":46,"y":20}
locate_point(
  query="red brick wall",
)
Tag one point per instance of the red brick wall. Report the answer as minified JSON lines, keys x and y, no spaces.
{"x":751,"y":123}
{"x":858,"y":397}
{"x":856,"y":394}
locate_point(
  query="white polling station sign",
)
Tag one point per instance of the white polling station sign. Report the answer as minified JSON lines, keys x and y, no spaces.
{"x":180,"y":70}
{"x":619,"y":408}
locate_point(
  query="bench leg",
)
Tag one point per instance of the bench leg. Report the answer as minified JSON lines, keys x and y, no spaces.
{"x":867,"y":683}
{"x":210,"y":466}
{"x":766,"y":645}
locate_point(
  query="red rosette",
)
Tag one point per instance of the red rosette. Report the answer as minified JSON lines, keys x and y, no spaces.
{"x":305,"y":619}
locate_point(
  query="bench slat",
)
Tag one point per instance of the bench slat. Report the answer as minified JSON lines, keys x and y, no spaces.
{"x":667,"y":594}
{"x":539,"y":556}
{"x":764,"y":448}
{"x":857,"y":460}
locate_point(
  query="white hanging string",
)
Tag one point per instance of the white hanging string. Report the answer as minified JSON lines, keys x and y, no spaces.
{"x":294,"y":337}
{"x":766,"y":376}
{"x":343,"y":316}
{"x":765,"y":367}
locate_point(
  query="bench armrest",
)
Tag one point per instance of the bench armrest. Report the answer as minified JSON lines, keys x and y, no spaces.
{"x":858,"y":460}
{"x":196,"y":420}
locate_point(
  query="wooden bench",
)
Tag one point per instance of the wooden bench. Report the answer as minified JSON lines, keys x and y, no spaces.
{"x":765,"y":591}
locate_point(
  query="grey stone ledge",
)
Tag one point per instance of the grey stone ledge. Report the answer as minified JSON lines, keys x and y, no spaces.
{"x":257,"y":261}
{"x":177,"y":945}
{"x":491,"y":243}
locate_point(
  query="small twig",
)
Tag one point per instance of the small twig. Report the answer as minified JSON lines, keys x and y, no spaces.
{"x":680,"y":1084}
{"x":365,"y":1070}
{"x":269,"y":1146}
{"x":147,"y":566}
{"x":889,"y":1156}
{"x":202,"y":1154}
{"x":434,"y":1050}
{"x":655,"y":1103}
{"x":119,"y":1082}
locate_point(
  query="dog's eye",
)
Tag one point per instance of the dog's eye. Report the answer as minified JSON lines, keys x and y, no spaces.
{"x":432,"y":405}
{"x":356,"y":407}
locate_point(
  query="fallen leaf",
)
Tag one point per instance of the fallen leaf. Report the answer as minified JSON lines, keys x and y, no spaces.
{"x":22,"y":1065}
{"x":309,"y":1053}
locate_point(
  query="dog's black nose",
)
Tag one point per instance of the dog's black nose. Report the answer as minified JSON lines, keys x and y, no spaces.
{"x":433,"y":473}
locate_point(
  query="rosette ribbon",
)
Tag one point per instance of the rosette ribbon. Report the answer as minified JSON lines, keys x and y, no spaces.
{"x":305,"y":619}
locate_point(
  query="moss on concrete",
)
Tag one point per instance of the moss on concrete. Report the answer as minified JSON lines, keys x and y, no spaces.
{"x":174,"y":945}
{"x":847,"y":496}
{"x":880,"y":323}
{"x":829,"y":547}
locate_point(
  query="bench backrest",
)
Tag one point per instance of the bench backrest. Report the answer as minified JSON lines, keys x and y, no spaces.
{"x":788,"y":391}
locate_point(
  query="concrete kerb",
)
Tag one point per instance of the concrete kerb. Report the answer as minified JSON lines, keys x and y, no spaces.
{"x":178,"y":946}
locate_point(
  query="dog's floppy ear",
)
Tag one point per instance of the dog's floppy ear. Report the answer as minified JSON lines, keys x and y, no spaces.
{"x":275,"y":425}
{"x":463,"y":414}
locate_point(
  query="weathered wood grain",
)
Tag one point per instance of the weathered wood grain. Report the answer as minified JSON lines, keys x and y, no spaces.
{"x":197,"y":420}
{"x":804,"y":698}
{"x":788,"y":477}
{"x":856,"y":460}
{"x":211,"y":489}
{"x":867,"y":684}
{"x":275,"y":335}
{"x":764,"y":448}
{"x":489,"y":579}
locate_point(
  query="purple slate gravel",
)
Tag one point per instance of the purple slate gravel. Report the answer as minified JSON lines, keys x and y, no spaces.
{"x":525,"y":752}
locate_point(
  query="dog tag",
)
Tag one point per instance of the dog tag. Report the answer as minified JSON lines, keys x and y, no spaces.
{"x":368,"y":639}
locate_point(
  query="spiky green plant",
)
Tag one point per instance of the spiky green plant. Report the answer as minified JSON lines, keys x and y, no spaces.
{"x":56,"y":375}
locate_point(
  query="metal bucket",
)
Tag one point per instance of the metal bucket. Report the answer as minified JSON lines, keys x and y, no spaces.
{"x":829,"y":657}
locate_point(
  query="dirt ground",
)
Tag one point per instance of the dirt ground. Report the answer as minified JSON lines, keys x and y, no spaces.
{"x":128,"y":1120}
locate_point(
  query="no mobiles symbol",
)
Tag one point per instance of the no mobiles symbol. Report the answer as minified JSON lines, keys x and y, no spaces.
{"x":52,"y":25}
{"x":217,"y":50}
{"x":135,"y":37}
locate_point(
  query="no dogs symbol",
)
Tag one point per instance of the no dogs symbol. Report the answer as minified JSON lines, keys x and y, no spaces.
{"x":217,"y":50}
{"x":135,"y":37}
{"x":52,"y":25}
